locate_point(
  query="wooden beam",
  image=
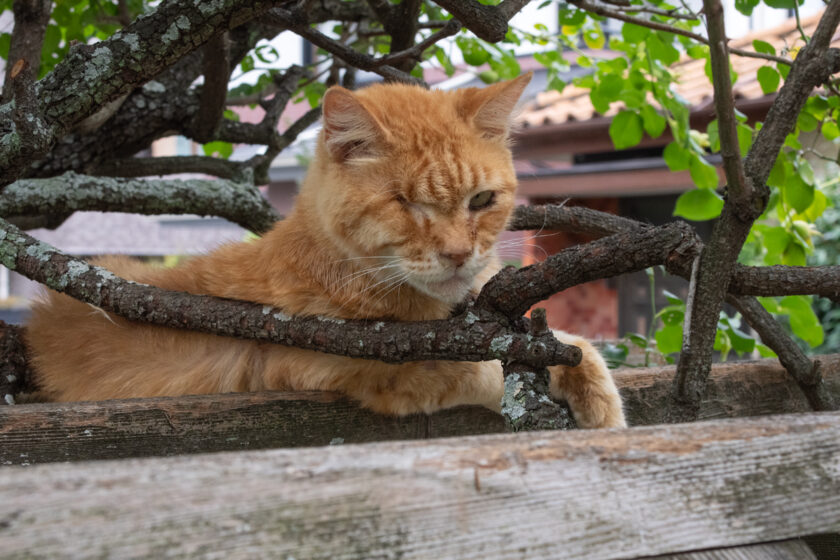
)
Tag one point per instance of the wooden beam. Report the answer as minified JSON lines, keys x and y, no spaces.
{"x":597,"y":494}
{"x":40,"y":433}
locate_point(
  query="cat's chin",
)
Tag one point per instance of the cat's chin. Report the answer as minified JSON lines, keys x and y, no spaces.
{"x":453,"y":290}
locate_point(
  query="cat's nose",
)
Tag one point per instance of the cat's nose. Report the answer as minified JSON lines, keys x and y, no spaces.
{"x":458,"y":259}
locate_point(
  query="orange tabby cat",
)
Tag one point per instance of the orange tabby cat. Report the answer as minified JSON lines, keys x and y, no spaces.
{"x":397,"y":218}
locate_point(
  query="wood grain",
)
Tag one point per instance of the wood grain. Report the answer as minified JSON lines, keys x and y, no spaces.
{"x":599,"y":494}
{"x":39,"y":433}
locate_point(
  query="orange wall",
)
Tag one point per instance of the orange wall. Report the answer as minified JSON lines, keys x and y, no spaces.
{"x":589,"y":309}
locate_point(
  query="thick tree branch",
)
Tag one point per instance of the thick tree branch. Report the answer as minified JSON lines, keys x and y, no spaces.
{"x":61,"y":196}
{"x":487,"y":22}
{"x":476,"y":334}
{"x":93,"y":75}
{"x":747,"y":193}
{"x":743,"y":204}
{"x":513,"y":291}
{"x":804,"y":371}
{"x":766,"y":281}
{"x":780,"y":280}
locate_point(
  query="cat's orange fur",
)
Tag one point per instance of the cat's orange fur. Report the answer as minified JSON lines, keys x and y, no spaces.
{"x":382,"y":228}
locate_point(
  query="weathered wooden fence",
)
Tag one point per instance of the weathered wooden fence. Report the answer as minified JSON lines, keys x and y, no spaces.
{"x":729,"y":487}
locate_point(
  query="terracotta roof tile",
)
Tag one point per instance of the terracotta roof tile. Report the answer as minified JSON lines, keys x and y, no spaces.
{"x":573,"y":103}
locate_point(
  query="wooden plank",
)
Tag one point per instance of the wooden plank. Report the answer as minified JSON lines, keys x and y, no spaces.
{"x":39,"y":433}
{"x":599,"y":494}
{"x":786,"y":550}
{"x":735,"y":389}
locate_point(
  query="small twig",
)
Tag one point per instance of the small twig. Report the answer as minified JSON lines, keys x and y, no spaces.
{"x":599,"y":9}
{"x":297,"y":23}
{"x":172,"y":165}
{"x":805,"y":372}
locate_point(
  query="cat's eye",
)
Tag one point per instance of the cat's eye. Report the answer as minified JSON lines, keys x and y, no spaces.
{"x":482,"y":200}
{"x":401,"y":199}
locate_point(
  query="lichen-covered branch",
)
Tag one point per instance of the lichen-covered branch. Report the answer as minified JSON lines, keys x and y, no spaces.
{"x":513,"y":291}
{"x":92,"y":75}
{"x":240,"y":203}
{"x":526,"y":405}
{"x":475,"y":334}
{"x":746,"y":280}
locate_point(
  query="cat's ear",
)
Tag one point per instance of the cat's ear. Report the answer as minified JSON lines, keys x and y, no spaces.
{"x":491,"y":108}
{"x":350,"y":131}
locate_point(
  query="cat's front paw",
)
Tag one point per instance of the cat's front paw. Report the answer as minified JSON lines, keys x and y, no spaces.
{"x":588,"y":388}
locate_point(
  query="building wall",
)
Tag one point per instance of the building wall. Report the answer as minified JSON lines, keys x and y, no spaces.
{"x":589,"y":309}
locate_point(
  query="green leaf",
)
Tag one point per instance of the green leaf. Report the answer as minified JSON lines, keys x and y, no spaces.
{"x":794,"y":254}
{"x":830,"y":130}
{"x":803,"y":320}
{"x":247,"y":63}
{"x":594,"y":38}
{"x":654,"y":123}
{"x":746,"y":7}
{"x":662,"y":51}
{"x":676,"y":157}
{"x":744,"y":138}
{"x":472,"y":50}
{"x":489,"y":76}
{"x":783,"y":69}
{"x":807,"y":122}
{"x":669,"y":338}
{"x":556,"y":84}
{"x":633,"y":33}
{"x":817,"y":207}
{"x":611,"y":86}
{"x":626,"y":130}
{"x":768,"y":78}
{"x":672,"y":314}
{"x":765,"y":351}
{"x":5,"y":42}
{"x":775,"y":241}
{"x":599,"y":102}
{"x":764,"y":47}
{"x":444,"y":61}
{"x":798,"y":194}
{"x":698,"y":205}
{"x":805,"y":171}
{"x":783,"y":4}
{"x":703,"y":173}
{"x":714,"y":135}
{"x":223,"y":149}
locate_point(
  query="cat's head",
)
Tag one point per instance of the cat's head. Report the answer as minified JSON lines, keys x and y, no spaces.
{"x":423,"y":179}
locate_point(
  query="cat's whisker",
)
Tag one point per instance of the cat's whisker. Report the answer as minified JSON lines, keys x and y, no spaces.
{"x":366,"y":271}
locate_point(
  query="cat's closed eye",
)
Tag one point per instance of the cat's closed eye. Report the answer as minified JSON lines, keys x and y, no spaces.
{"x":482,"y":200}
